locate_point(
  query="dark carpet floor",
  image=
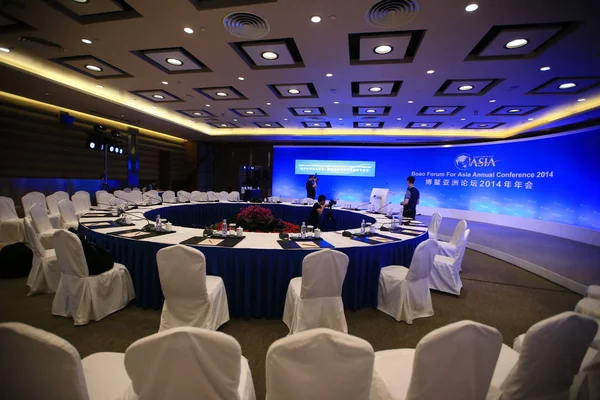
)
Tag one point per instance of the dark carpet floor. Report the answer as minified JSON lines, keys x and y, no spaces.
{"x":494,"y":293}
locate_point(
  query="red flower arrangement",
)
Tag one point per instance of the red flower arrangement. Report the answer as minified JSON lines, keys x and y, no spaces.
{"x":260,"y":219}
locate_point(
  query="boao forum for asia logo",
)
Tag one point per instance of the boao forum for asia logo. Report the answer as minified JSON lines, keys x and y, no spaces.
{"x":465,"y":161}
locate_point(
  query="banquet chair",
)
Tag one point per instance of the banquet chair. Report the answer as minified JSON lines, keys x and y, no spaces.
{"x":434,"y":226}
{"x":52,"y":202}
{"x":81,"y":201}
{"x":449,"y":248}
{"x":212,"y":196}
{"x":36,"y":364}
{"x":233,"y":196}
{"x":593,"y":291}
{"x":588,"y":306}
{"x":184,"y":196}
{"x":455,"y":361}
{"x":151,"y":197}
{"x":127,"y":190}
{"x":192,"y":298}
{"x":307,"y":200}
{"x":82,"y":296}
{"x":136,"y":196}
{"x":105,"y":199}
{"x":32,"y":198}
{"x":319,"y":364}
{"x":550,"y":356}
{"x":314,"y":300}
{"x":136,"y":189}
{"x":275,"y":199}
{"x":42,"y":225}
{"x":444,"y":275}
{"x":188,"y":363}
{"x":45,"y":273}
{"x":11,"y":226}
{"x":169,"y":196}
{"x":223,"y":195}
{"x":67,"y":214}
{"x":404,"y":292}
{"x":99,"y":193}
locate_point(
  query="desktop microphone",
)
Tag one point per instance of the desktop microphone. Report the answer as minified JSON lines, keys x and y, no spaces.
{"x":128,"y":201}
{"x":381,"y":208}
{"x":360,"y":205}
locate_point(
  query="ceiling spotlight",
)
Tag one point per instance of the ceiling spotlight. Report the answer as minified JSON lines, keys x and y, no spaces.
{"x":307,"y":111}
{"x":423,"y":125}
{"x":383,"y":49}
{"x":471,"y":7}
{"x":207,"y":105}
{"x":268,"y":104}
{"x":174,"y":61}
{"x":329,"y":75}
{"x":249,"y":112}
{"x":567,"y":85}
{"x":370,"y":111}
{"x":315,"y":124}
{"x":293,"y":91}
{"x":492,"y":101}
{"x":269,"y":55}
{"x":197,"y":113}
{"x":368,"y":124}
{"x":580,"y":100}
{"x":86,"y":41}
{"x":188,"y":30}
{"x":268,"y":125}
{"x":99,"y":86}
{"x":93,"y":68}
{"x":410,"y":102}
{"x":336,"y":102}
{"x":92,"y":145}
{"x":154,"y":107}
{"x":515,"y":44}
{"x":158,"y":96}
{"x":285,"y":119}
{"x":111,"y":149}
{"x":241,"y":78}
{"x":223,"y":125}
{"x":545,"y":69}
{"x":234,"y":120}
{"x":483,"y":125}
{"x":440,"y":110}
{"x":315,"y":19}
{"x":375,"y":89}
{"x":529,"y":119}
{"x":81,"y":1}
{"x":463,"y":119}
{"x":431,"y":71}
{"x":165,"y":82}
{"x":222,"y":94}
{"x":5,"y":49}
{"x":398,"y":119}
{"x":465,"y":88}
{"x":339,"y":119}
{"x":514,"y":110}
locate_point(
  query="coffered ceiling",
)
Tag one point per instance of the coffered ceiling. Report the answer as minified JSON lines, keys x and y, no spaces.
{"x":407,"y":70}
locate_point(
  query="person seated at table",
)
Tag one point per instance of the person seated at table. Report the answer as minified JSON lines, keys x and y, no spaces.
{"x":314,"y":218}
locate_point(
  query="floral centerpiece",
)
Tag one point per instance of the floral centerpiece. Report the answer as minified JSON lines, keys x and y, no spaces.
{"x":260,"y":219}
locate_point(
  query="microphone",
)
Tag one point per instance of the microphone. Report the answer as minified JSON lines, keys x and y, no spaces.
{"x":381,"y":208}
{"x":155,"y":198}
{"x":128,"y":201}
{"x":217,"y":197}
{"x":184,"y":197}
{"x":360,"y":205}
{"x":149,"y":227}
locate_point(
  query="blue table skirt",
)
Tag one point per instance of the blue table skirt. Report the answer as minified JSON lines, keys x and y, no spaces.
{"x":201,"y":215}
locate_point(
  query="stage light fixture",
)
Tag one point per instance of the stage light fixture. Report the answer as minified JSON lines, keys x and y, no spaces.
{"x":92,"y":145}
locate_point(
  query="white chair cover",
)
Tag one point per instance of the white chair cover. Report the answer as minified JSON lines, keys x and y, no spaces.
{"x":81,"y":201}
{"x":188,"y":363}
{"x":315,"y":299}
{"x":275,"y":199}
{"x":434,"y":226}
{"x":105,"y":199}
{"x":588,"y":306}
{"x":67,"y":214}
{"x":449,"y":248}
{"x":551,"y":355}
{"x":223,"y":195}
{"x":592,"y":291}
{"x":233,"y":196}
{"x":127,"y":190}
{"x":453,"y":362}
{"x":45,"y":273}
{"x":212,"y":196}
{"x":586,"y":384}
{"x":136,"y":189}
{"x":404,"y":292}
{"x":191,"y":297}
{"x":308,"y":200}
{"x":32,"y":198}
{"x":131,"y":198}
{"x":42,"y":225}
{"x":98,"y":195}
{"x":52,"y":202}
{"x":444,"y":275}
{"x":151,"y":197}
{"x":82,"y":296}
{"x":11,"y":226}
{"x":319,"y":364}
{"x":199,"y":196}
{"x":184,"y":196}
{"x":168,"y":196}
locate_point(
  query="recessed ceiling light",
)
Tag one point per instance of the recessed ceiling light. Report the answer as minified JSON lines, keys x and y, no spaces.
{"x":316,"y":19}
{"x":86,"y":41}
{"x":188,"y":30}
{"x":222,"y":94}
{"x":307,"y":111}
{"x":440,"y":110}
{"x":268,"y":104}
{"x":370,"y":111}
{"x":207,"y":105}
{"x":234,"y":120}
{"x":431,"y":71}
{"x":580,"y":100}
{"x":269,"y":55}
{"x":471,"y":7}
{"x":423,"y":125}
{"x":241,"y":78}
{"x":483,"y":125}
{"x":463,"y":119}
{"x":99,"y":86}
{"x":249,"y":112}
{"x":529,"y":119}
{"x":81,"y":1}
{"x":515,"y":44}
{"x":410,"y":102}
{"x":267,"y":124}
{"x":398,"y":119}
{"x":223,"y":125}
{"x":94,"y":68}
{"x":158,"y":96}
{"x":315,"y":124}
{"x":567,"y":85}
{"x":174,"y":61}
{"x":329,"y":75}
{"x":514,"y":110}
{"x":492,"y":101}
{"x":165,"y":82}
{"x":197,"y":113}
{"x":339,"y":119}
{"x":5,"y":49}
{"x":375,"y":89}
{"x":383,"y":49}
{"x":465,"y":88}
{"x":154,"y":107}
{"x":336,"y":102}
{"x":293,"y":91}
{"x":368,"y":124}
{"x":285,"y":119}
{"x":545,"y":69}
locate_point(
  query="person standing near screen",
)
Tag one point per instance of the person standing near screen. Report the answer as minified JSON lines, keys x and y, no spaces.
{"x":317,"y":210}
{"x":411,"y":199}
{"x":311,"y":187}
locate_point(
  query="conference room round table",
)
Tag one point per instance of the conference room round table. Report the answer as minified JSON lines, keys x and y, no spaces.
{"x":258,"y":268}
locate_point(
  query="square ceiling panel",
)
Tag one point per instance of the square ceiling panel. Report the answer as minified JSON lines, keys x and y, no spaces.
{"x":440,"y":110}
{"x":567,"y":85}
{"x":423,"y":125}
{"x":202,"y":5}
{"x":369,"y":125}
{"x":223,"y":93}
{"x":376,"y":89}
{"x":371,"y":111}
{"x":509,"y":42}
{"x":269,"y":54}
{"x":483,"y":125}
{"x":307,"y":111}
{"x":317,"y":125}
{"x":9,"y":24}
{"x":516,"y":110}
{"x":92,"y":67}
{"x":223,"y":125}
{"x":268,"y":125}
{"x":94,"y":11}
{"x":384,"y":47}
{"x":196,"y":113}
{"x":294,"y":91}
{"x":467,"y":87}
{"x":157,"y":95}
{"x":249,"y":112}
{"x":174,"y":60}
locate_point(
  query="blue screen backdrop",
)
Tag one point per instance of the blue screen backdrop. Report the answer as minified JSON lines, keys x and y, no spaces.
{"x":553,"y":179}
